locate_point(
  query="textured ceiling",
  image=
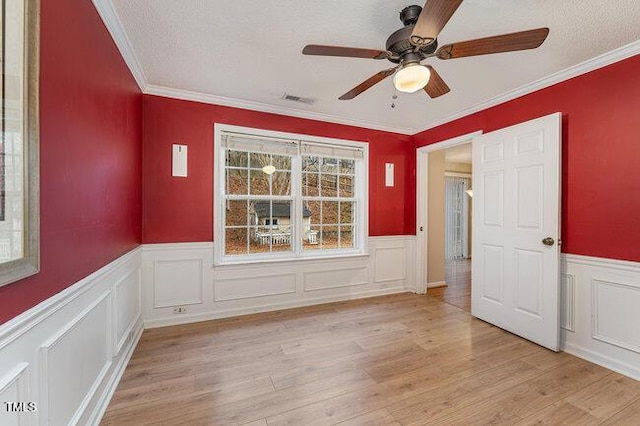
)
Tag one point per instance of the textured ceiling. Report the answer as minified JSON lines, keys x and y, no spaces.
{"x":251,"y":50}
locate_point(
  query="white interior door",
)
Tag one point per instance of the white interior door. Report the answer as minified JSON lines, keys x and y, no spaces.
{"x":516,"y":227}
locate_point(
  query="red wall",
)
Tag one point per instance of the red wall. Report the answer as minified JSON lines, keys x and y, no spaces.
{"x":181,"y":209}
{"x":90,"y":154}
{"x":601,"y":154}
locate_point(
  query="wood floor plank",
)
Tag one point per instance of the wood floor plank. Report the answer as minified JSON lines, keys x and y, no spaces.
{"x":630,"y":416}
{"x":401,"y":359}
{"x":607,"y":396}
{"x":560,"y":413}
{"x":373,"y":418}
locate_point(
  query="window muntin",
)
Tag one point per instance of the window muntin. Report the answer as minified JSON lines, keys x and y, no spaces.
{"x":257,"y":204}
{"x":308,"y":205}
{"x":328,"y":191}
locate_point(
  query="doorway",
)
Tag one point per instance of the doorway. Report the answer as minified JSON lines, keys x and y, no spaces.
{"x":456,"y":208}
{"x":444,"y":220}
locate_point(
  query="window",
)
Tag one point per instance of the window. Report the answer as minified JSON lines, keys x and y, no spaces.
{"x":284,"y":196}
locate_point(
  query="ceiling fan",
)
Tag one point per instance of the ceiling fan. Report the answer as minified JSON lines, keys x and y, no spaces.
{"x":417,"y":41}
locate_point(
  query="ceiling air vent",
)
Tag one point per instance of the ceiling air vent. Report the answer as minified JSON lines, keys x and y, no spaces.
{"x":308,"y":101}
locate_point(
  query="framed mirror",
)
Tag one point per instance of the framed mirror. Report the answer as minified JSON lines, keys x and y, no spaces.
{"x":19,"y":165}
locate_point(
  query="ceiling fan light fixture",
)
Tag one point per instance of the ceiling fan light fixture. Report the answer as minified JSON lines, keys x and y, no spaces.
{"x":411,"y":78}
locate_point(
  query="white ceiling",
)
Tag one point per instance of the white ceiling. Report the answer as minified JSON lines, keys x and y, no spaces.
{"x":249,"y":52}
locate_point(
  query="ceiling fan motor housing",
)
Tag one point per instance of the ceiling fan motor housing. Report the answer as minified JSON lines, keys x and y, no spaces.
{"x":398,"y":43}
{"x":410,"y":14}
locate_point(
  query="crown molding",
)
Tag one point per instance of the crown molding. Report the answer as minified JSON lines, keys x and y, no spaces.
{"x":589,"y":65}
{"x":112,"y":21}
{"x":114,"y":25}
{"x":187,"y":95}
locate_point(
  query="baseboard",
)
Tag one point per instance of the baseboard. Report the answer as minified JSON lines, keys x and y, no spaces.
{"x":436,"y":284}
{"x":182,"y":277}
{"x":629,"y":370}
{"x":186,"y":319}
{"x":114,"y":380}
{"x":45,"y":357}
{"x":599,"y":311}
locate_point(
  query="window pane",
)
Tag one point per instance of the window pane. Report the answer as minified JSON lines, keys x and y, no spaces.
{"x":259,"y":183}
{"x":346,"y":237}
{"x":330,"y":237}
{"x":235,"y":241}
{"x":281,"y":162}
{"x":270,"y":213}
{"x":258,"y":160}
{"x":328,"y":185}
{"x":347,"y":167}
{"x":260,"y":240}
{"x":310,"y":185}
{"x":311,"y":238}
{"x":273,"y":226}
{"x":310,"y":164}
{"x":311,"y":212}
{"x":347,"y":211}
{"x":237,"y":159}
{"x":281,"y":183}
{"x":237,"y":182}
{"x":329,"y":212}
{"x":236,"y":213}
{"x":329,"y":165}
{"x":346,"y":186}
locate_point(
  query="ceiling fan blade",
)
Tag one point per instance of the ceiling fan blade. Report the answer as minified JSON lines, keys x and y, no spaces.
{"x":522,"y":40}
{"x":436,"y":86}
{"x":346,"y":52}
{"x":368,"y":83}
{"x":432,"y":19}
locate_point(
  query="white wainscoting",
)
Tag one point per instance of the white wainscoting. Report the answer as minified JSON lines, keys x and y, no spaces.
{"x":208,"y":292}
{"x":67,"y":354}
{"x":601,"y":312}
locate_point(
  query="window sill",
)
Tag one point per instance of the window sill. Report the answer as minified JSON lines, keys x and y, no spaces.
{"x":302,"y":259}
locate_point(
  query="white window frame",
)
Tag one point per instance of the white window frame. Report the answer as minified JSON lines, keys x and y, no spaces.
{"x":297,"y":253}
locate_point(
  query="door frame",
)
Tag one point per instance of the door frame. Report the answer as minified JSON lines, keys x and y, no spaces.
{"x":422,"y":199}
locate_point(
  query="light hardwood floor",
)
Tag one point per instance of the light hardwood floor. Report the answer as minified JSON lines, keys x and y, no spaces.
{"x":457,"y":292}
{"x":396,"y":360}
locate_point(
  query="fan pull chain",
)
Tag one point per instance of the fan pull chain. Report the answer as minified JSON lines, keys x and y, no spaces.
{"x":394,"y":97}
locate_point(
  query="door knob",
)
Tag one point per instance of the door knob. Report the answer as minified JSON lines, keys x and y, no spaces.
{"x":548,"y":241}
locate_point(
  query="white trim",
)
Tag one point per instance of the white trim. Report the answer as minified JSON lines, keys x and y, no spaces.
{"x":25,"y":338}
{"x":114,"y":25}
{"x":268,"y":307}
{"x":437,"y":284}
{"x":605,"y":361}
{"x":601,"y":262}
{"x":19,"y":325}
{"x":114,"y":380}
{"x":111,"y":20}
{"x":589,"y":65}
{"x":187,"y":95}
{"x":422,"y":197}
{"x":54,"y":340}
{"x":258,"y":287}
{"x":361,"y":198}
{"x":582,"y":337}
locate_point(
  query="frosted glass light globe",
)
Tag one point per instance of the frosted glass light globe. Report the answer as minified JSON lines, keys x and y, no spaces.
{"x":411,"y":78}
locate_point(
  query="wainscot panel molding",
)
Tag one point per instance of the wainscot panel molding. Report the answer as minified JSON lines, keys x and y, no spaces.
{"x":64,"y":357}
{"x":600,"y":312}
{"x":231,"y":290}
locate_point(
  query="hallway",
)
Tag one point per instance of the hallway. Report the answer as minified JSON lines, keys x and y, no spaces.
{"x":458,"y":289}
